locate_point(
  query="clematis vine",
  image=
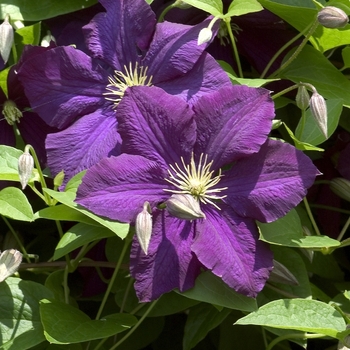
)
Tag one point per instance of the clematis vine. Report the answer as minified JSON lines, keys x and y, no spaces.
{"x":219,"y":153}
{"x":79,"y":93}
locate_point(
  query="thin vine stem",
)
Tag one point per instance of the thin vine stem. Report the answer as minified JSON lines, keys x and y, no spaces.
{"x":294,"y":336}
{"x":311,"y":217}
{"x":344,"y":229}
{"x":234,"y":47}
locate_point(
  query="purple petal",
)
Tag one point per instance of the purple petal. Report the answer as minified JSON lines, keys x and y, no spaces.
{"x":233,"y":122}
{"x":63,"y":84}
{"x":83,"y":144}
{"x":117,"y":187}
{"x":205,"y":77}
{"x":266,"y":185}
{"x":229,"y":246}
{"x":156,"y":125}
{"x":169,"y":264}
{"x":120,"y":34}
{"x":173,"y":51}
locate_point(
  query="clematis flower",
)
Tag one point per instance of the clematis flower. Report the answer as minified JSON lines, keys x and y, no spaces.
{"x":219,"y":153}
{"x":79,"y":94}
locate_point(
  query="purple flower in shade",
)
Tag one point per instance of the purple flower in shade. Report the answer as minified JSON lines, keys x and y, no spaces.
{"x":219,"y":153}
{"x":80,"y":94}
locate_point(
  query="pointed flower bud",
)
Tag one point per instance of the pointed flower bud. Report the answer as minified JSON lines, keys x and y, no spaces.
{"x":46,"y":40}
{"x":204,"y":36}
{"x":10,"y":260}
{"x":25,"y":168}
{"x":281,"y":274}
{"x":302,"y":99}
{"x":332,"y":17}
{"x":341,"y":187}
{"x":318,"y":110}
{"x":143,"y":227}
{"x":6,"y":39}
{"x":11,"y":112}
{"x":184,"y":206}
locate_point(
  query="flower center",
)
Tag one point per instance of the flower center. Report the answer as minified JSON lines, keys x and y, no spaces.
{"x":120,"y":81}
{"x":197,"y":180}
{"x":11,"y":112}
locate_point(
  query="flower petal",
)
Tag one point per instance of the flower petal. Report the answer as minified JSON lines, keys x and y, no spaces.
{"x":233,"y":122}
{"x":83,"y":144}
{"x":266,"y":185}
{"x":63,"y":84}
{"x":119,"y":35}
{"x":156,"y":125}
{"x":205,"y":77}
{"x":117,"y":187}
{"x":169,"y":264}
{"x":229,"y":246}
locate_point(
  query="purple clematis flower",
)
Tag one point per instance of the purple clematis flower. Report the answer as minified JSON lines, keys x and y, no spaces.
{"x":220,"y":154}
{"x":80,"y":93}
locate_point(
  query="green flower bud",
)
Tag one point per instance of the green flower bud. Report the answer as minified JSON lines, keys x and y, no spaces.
{"x":302,"y":99}
{"x":204,"y":36}
{"x":184,"y":206}
{"x":143,"y":227}
{"x":25,"y":168}
{"x":6,"y":39}
{"x":11,"y":112}
{"x":318,"y":110}
{"x":10,"y":260}
{"x":332,"y":17}
{"x":281,"y":274}
{"x":341,"y":187}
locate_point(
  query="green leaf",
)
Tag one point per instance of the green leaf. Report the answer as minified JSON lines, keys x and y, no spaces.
{"x":211,"y":289}
{"x":311,"y":133}
{"x":298,"y":314}
{"x":64,"y":324}
{"x":14,"y":204}
{"x":346,"y":56}
{"x":250,"y":82}
{"x":287,"y":231}
{"x":36,"y":10}
{"x":200,"y":320}
{"x":303,"y":146}
{"x":67,"y":198}
{"x":242,"y":7}
{"x":19,"y":318}
{"x":214,"y":7}
{"x":3,"y":80}
{"x":79,"y":235}
{"x":29,"y":35}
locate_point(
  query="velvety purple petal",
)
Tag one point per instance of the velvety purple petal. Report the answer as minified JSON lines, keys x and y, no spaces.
{"x":117,"y":187}
{"x":7,"y":136}
{"x":63,"y":84}
{"x":229,"y":246}
{"x":173,"y":51}
{"x":156,"y":125}
{"x":119,"y":35}
{"x":83,"y":144}
{"x":169,"y":264}
{"x":205,"y":77}
{"x":344,"y":163}
{"x":268,"y":184}
{"x":233,"y":122}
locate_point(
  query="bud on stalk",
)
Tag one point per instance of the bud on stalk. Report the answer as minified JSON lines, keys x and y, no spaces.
{"x":302,"y":99}
{"x":6,"y":39}
{"x":25,"y":168}
{"x":318,"y":110}
{"x":143,"y":227}
{"x":332,"y":17}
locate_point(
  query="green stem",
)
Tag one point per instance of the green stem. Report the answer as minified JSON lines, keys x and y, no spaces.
{"x":293,"y":336}
{"x":234,"y":47}
{"x":165,"y":11}
{"x":133,"y":329}
{"x":311,"y":217}
{"x":345,"y":227}
{"x":293,"y":87}
{"x":313,"y":27}
{"x":320,"y":206}
{"x":18,"y":240}
{"x":285,"y":46}
{"x":282,"y":292}
{"x":114,"y":276}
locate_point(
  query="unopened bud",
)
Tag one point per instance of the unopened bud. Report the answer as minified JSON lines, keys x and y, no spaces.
{"x":6,"y":39}
{"x":332,"y":17}
{"x":318,"y":110}
{"x":302,"y":99}
{"x":25,"y":168}
{"x":204,"y":36}
{"x":11,"y":112}
{"x":10,"y":260}
{"x":281,"y":274}
{"x":143,"y":227}
{"x":46,"y":40}
{"x":341,"y":187}
{"x":184,"y":206}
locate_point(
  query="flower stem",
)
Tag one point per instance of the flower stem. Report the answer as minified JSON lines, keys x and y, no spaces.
{"x":281,"y":93}
{"x":234,"y":47}
{"x":165,"y":11}
{"x":293,"y":336}
{"x":311,"y":217}
{"x":345,"y":227}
